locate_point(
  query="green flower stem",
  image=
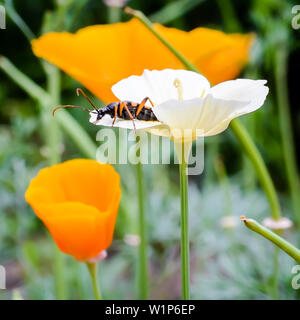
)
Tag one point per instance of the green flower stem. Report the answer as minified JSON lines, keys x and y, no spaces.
{"x":289,"y":154}
{"x":59,"y":274}
{"x":143,"y":264}
{"x":286,"y":246}
{"x":53,"y":140}
{"x":94,"y":277}
{"x":260,"y":167}
{"x":237,"y":127}
{"x":250,"y":122}
{"x":24,"y":82}
{"x":249,"y":176}
{"x":51,"y":129}
{"x":185,"y":256}
{"x":182,"y":151}
{"x":68,"y":123}
{"x":17,"y":19}
{"x":114,"y":14}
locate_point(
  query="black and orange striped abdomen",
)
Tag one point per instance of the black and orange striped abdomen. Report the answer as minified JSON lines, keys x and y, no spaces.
{"x":146,"y":114}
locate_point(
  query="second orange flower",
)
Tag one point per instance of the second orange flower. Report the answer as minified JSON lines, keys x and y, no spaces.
{"x":78,"y":202}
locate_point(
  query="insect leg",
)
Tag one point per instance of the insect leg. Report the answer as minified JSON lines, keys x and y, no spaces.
{"x":122,"y":104}
{"x":130,"y":115}
{"x":142,"y":105}
{"x":152,"y":104}
{"x":115,"y":116}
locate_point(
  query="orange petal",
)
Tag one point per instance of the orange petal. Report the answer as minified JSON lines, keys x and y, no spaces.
{"x":79,"y":180}
{"x":101,"y":55}
{"x":77,"y":229}
{"x":217,"y":55}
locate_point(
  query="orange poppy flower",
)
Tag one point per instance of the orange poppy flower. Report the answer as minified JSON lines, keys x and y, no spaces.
{"x":78,"y":202}
{"x":101,"y":55}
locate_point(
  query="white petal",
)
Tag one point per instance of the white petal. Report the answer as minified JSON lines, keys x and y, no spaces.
{"x":216,"y":114}
{"x":179,"y":114}
{"x":159,"y":86}
{"x":93,"y":117}
{"x":107,"y":121}
{"x":253,"y":91}
{"x":127,"y":124}
{"x":207,"y":115}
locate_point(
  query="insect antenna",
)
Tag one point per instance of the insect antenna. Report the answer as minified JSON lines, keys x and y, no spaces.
{"x":78,"y":90}
{"x":70,"y":106}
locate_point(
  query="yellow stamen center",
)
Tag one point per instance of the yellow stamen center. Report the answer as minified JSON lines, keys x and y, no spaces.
{"x":178,"y":85}
{"x":202,"y":94}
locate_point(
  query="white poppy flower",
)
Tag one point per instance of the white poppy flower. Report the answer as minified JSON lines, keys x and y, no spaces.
{"x":184,"y":100}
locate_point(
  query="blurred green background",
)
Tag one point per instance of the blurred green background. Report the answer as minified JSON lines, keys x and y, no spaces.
{"x":227,"y":260}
